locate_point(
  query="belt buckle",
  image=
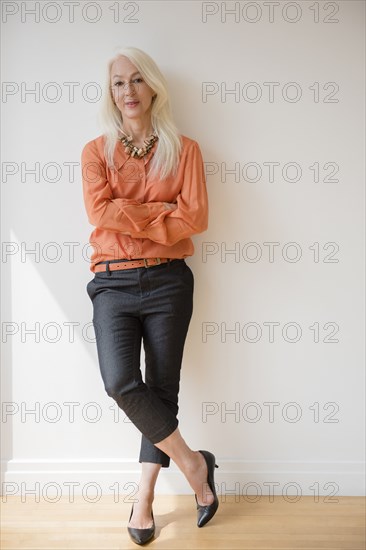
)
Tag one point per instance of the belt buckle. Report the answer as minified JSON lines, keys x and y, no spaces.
{"x":158,"y":262}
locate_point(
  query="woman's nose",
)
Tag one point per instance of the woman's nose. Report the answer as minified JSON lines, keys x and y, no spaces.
{"x":129,"y":87}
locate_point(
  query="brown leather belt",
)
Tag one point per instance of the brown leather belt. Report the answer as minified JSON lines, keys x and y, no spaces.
{"x":114,"y":265}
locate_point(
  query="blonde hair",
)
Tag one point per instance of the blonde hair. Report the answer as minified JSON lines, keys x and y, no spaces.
{"x":166,"y":158}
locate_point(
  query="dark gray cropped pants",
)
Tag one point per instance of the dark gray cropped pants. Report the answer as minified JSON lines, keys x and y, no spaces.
{"x":152,"y":305}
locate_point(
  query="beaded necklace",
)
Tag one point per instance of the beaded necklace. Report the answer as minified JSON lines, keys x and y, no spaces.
{"x":138,"y":152}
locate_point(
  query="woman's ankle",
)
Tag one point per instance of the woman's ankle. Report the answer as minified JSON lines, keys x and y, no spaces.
{"x":145,"y":493}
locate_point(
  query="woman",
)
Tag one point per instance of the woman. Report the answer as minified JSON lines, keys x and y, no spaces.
{"x":145,"y":193}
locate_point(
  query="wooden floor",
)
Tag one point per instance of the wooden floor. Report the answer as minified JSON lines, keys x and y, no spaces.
{"x":243,"y":525}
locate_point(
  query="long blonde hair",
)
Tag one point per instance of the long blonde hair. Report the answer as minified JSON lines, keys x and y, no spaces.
{"x":166,"y":158}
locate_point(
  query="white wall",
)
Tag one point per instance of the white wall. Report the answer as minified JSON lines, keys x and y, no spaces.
{"x":298,"y":244}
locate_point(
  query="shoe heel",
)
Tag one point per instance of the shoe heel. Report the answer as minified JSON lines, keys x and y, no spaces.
{"x":206,"y":513}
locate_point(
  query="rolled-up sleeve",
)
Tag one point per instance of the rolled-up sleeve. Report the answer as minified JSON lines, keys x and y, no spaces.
{"x":106,"y":212}
{"x":191,"y":215}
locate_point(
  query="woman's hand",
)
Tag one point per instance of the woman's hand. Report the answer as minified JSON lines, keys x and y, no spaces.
{"x":170,"y":205}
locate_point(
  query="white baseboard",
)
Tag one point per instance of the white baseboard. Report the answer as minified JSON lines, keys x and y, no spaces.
{"x":44,"y":479}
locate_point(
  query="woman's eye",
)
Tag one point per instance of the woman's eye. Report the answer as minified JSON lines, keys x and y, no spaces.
{"x":137,"y":80}
{"x":118,"y":84}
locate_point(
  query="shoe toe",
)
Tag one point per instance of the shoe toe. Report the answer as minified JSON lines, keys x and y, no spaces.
{"x":141,"y":536}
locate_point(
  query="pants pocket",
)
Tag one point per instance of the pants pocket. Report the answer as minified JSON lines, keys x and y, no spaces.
{"x":89,"y":288}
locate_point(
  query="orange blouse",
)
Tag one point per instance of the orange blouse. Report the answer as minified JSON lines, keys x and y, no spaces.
{"x":128,"y":200}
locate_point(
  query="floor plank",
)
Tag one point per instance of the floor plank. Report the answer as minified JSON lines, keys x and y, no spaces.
{"x":267,"y":524}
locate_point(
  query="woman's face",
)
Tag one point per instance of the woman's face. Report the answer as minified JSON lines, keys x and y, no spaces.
{"x":130,"y":92}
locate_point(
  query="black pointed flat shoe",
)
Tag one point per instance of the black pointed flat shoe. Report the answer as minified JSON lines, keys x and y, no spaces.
{"x":141,"y":536}
{"x":205,"y":513}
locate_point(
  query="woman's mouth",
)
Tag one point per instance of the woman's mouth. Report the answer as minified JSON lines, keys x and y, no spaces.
{"x":131,"y":104}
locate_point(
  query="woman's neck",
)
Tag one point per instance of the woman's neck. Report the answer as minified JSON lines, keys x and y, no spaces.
{"x":138,"y":129}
